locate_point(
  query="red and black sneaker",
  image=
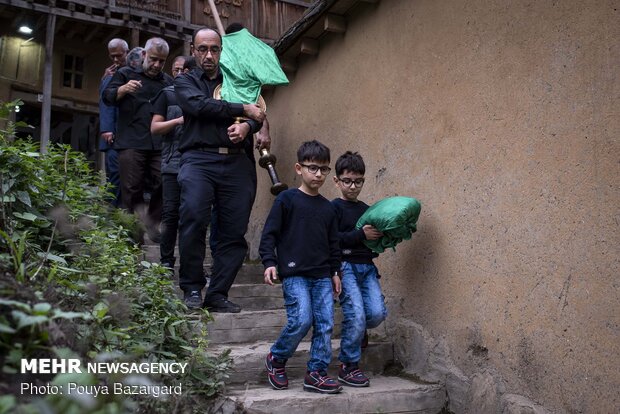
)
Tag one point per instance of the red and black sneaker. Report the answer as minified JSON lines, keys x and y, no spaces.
{"x":350,"y":374}
{"x":318,"y":381}
{"x":276,"y":373}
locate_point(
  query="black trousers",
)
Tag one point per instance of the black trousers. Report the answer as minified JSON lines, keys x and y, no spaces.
{"x":136,"y":167}
{"x":171,"y":195}
{"x":228,"y":181}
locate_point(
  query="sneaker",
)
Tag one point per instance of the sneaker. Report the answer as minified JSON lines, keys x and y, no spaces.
{"x":193,"y":299}
{"x":222,"y":306}
{"x":318,"y":381}
{"x":276,"y":373}
{"x":350,"y":374}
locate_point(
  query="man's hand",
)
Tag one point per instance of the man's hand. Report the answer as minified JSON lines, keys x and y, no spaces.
{"x":253,"y":112}
{"x":263,"y":139}
{"x":108,"y":137}
{"x":109,"y":71}
{"x":130,"y":87}
{"x":238,"y":132}
{"x":371,"y":233}
{"x":337,"y":285}
{"x":270,"y":275}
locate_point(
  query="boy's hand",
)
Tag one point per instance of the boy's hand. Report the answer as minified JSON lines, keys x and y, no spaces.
{"x":337,"y":284}
{"x":270,"y":275}
{"x":371,"y":232}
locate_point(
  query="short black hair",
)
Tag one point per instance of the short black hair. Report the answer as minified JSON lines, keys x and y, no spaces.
{"x":352,"y":162}
{"x":313,"y":151}
{"x":233,"y":28}
{"x":205,"y":28}
{"x":190,"y":63}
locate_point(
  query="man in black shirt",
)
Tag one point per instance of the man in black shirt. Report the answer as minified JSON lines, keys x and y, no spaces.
{"x":139,"y":151}
{"x":214,"y":169}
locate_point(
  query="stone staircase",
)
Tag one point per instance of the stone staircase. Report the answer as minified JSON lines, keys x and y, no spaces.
{"x":250,"y":333}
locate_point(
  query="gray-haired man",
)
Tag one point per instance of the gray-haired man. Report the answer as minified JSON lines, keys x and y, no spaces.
{"x":139,"y":152}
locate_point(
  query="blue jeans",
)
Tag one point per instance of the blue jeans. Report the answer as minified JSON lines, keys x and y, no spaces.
{"x":308,"y":302}
{"x":362,"y":307}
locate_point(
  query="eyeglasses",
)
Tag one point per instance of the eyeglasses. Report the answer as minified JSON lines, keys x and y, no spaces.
{"x":313,"y":168}
{"x":203,"y":50}
{"x":347,"y":182}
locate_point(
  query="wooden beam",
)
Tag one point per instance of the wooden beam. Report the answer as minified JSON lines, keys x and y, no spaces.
{"x":309,"y":46}
{"x":334,"y":24}
{"x":310,"y":17}
{"x":103,"y":14}
{"x":46,"y":107}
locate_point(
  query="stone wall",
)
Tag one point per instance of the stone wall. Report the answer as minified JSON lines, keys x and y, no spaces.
{"x":502,"y":119}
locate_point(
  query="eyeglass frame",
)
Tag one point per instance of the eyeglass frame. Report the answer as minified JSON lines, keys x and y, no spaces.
{"x":207,"y":49}
{"x":362,"y":180}
{"x":325,"y":170}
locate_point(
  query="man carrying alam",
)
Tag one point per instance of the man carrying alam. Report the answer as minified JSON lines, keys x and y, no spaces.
{"x":139,"y":151}
{"x":214,"y":168}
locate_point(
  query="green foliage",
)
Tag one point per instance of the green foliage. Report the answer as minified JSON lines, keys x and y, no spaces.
{"x":74,"y":286}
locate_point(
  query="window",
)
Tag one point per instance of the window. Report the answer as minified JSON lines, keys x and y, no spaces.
{"x":73,"y":72}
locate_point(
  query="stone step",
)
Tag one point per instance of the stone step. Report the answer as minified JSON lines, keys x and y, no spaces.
{"x":256,"y":297}
{"x":252,"y":326}
{"x":249,"y":360}
{"x":385,"y":395}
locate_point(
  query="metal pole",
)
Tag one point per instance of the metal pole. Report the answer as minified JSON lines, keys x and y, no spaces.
{"x":46,"y":108}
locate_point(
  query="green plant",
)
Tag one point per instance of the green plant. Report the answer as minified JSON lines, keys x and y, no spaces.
{"x":74,"y":286}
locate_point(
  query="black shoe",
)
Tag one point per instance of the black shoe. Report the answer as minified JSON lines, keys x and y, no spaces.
{"x":193,"y":299}
{"x":222,"y":306}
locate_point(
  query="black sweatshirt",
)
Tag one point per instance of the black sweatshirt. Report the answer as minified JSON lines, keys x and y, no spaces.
{"x":206,"y":120}
{"x":351,"y":239}
{"x":300,"y":236}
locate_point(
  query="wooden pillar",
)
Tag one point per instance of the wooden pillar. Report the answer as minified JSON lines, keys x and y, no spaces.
{"x":46,"y":108}
{"x":187,"y":11}
{"x":186,"y":43}
{"x":135,"y":38}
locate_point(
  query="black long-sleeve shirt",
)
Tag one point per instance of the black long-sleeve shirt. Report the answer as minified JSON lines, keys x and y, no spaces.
{"x":206,"y":120}
{"x":133,"y":125}
{"x":165,"y":104}
{"x":300,"y":236}
{"x":351,"y":239}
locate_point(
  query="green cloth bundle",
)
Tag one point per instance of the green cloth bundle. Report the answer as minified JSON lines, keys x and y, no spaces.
{"x":248,"y":63}
{"x":395,"y":217}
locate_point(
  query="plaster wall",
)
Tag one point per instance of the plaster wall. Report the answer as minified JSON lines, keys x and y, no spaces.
{"x":502,"y":118}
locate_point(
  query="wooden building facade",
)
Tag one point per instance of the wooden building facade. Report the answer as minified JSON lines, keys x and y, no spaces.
{"x":59,"y":64}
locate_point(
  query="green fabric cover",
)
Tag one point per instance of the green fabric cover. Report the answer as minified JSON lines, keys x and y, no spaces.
{"x":395,"y":217}
{"x":247,"y":64}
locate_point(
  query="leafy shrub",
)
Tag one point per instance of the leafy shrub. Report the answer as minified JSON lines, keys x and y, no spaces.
{"x":75,"y":287}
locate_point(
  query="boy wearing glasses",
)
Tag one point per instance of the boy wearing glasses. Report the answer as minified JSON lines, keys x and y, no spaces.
{"x":299,"y":245}
{"x":361,"y":298}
